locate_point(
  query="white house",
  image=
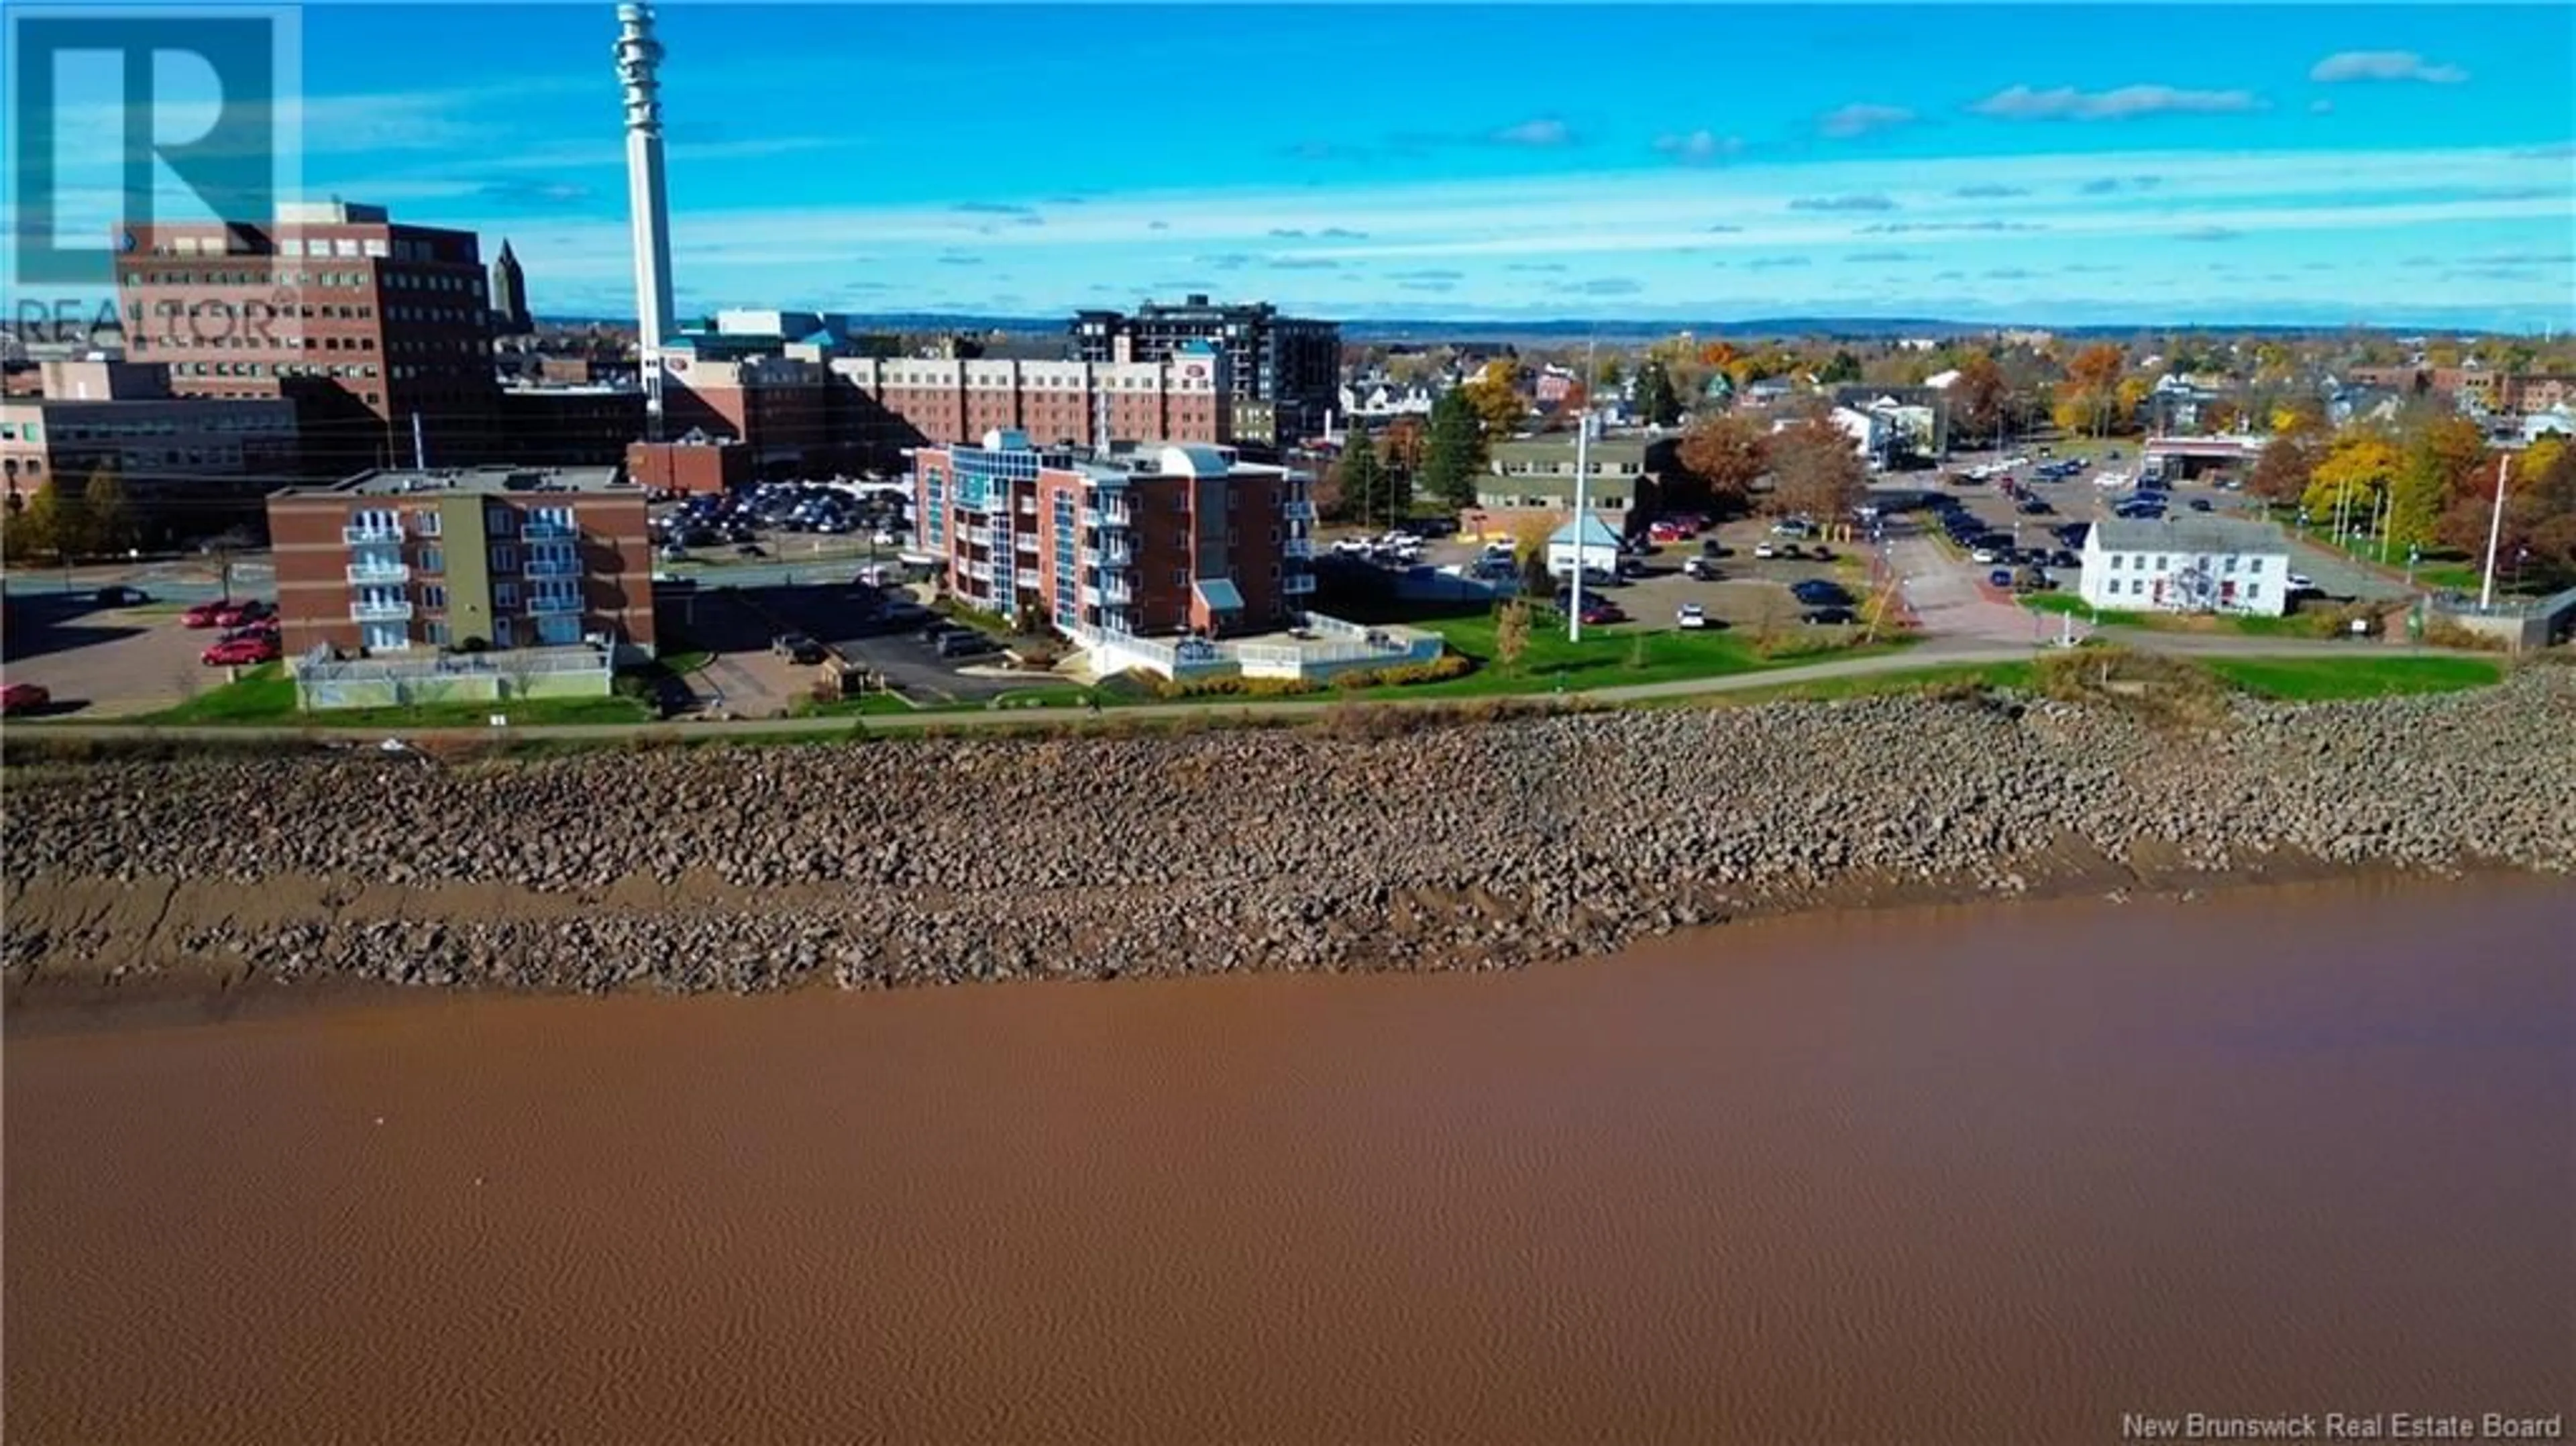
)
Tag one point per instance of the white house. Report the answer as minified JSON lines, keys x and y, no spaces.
{"x":1588,"y":539}
{"x":2186,"y":564}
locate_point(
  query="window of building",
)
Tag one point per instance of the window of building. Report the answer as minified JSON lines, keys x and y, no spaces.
{"x":505,"y":559}
{"x":437,"y":632}
{"x":434,"y":595}
{"x":497,"y":521}
{"x":505,"y":597}
{"x":2163,"y":563}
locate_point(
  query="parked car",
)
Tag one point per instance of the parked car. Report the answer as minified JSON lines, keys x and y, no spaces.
{"x":20,"y":698}
{"x":1692,"y":615}
{"x":2000,"y":577}
{"x":2301,"y":582}
{"x":1817,"y":592}
{"x":797,"y":648}
{"x":1833,"y":616}
{"x":202,"y":615}
{"x":242,"y":652}
{"x":967,"y":644}
{"x":1985,"y":555}
{"x":114,"y":596}
{"x":1766,"y":550}
{"x":1601,"y":612}
{"x":2198,"y":504}
{"x":1699,"y":569}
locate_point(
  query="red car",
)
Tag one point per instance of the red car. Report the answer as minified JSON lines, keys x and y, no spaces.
{"x":225,"y":613}
{"x":20,"y":698}
{"x":243,"y":652}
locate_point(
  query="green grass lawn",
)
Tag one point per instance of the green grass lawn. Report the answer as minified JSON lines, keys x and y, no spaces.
{"x":2311,"y":680}
{"x":2252,"y":625}
{"x":1869,"y":685}
{"x":1615,"y":658}
{"x":266,"y":695}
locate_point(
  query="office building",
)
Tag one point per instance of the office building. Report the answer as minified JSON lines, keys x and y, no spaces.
{"x":915,"y":401}
{"x":190,"y":466}
{"x":1286,"y":372}
{"x":393,"y":563}
{"x":364,"y":323}
{"x":1161,"y":539}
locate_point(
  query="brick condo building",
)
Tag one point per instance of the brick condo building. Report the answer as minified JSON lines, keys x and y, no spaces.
{"x":390,"y":563}
{"x":362,"y":322}
{"x":1159,"y":540}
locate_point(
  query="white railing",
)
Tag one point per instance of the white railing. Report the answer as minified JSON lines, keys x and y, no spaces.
{"x":1117,"y":590}
{"x":554,"y":567}
{"x":1296,"y":547}
{"x":1026,"y":542}
{"x":370,"y":534}
{"x":554,"y":603}
{"x":1297,"y":584}
{"x":1116,"y":554}
{"x":379,"y":572}
{"x":536,"y":531}
{"x":378,"y":611}
{"x":1090,"y":595}
{"x":980,"y":571}
{"x":1297,"y":511}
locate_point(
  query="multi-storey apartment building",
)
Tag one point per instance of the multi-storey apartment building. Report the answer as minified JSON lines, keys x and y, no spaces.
{"x":952,"y":401}
{"x":365,"y":323}
{"x":1162,"y":539}
{"x":390,"y":562}
{"x":1287,"y":371}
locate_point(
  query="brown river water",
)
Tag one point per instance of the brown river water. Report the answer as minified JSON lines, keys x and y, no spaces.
{"x":1975,"y":1175}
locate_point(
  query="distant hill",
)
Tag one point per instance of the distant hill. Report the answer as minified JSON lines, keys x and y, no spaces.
{"x":1857,"y":328}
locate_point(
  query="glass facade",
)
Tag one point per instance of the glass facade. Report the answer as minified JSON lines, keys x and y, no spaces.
{"x":1068,"y":604}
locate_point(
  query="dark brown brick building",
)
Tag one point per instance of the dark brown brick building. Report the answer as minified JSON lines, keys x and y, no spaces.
{"x":389,"y":563}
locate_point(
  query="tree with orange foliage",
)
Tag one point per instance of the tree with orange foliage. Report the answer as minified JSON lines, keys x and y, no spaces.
{"x":1816,"y":472}
{"x":1729,"y":453}
{"x":2091,"y":391}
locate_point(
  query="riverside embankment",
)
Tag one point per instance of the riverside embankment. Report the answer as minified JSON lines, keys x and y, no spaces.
{"x":926,"y":861}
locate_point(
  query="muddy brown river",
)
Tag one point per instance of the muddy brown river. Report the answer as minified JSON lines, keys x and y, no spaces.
{"x":1995,"y":1174}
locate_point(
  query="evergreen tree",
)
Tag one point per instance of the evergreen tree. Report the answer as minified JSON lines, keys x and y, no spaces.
{"x":1455,"y":450}
{"x":1364,"y":489}
{"x":1656,"y":396}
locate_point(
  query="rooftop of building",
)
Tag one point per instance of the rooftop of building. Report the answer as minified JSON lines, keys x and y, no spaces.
{"x":493,"y":481}
{"x":1124,"y":460}
{"x":2186,"y":534}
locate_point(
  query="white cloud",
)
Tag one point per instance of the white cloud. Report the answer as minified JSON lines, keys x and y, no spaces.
{"x":2351,"y":65}
{"x":1542,"y":132}
{"x":1857,"y":120}
{"x":1699,"y":147}
{"x":2128,"y":102}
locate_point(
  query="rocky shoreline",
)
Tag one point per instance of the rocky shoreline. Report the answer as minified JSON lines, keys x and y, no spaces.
{"x":1491,"y":846}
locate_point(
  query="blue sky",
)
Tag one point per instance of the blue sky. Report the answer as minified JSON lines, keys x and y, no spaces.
{"x":2073,"y":164}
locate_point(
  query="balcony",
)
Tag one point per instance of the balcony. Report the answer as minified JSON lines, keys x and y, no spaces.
{"x":1026,"y":542}
{"x":389,"y":572}
{"x":368,"y":534}
{"x":1297,"y":547}
{"x":554,"y":567}
{"x":1110,"y":517}
{"x":1116,"y":554}
{"x":536,"y":530}
{"x":1117,"y":589}
{"x":1090,"y":596}
{"x":1297,"y":511}
{"x":1028,"y":507}
{"x":1296,"y":584}
{"x":546,"y":603}
{"x":379,"y":610}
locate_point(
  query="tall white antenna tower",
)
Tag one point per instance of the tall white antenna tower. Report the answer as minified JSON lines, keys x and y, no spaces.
{"x":639,"y":67}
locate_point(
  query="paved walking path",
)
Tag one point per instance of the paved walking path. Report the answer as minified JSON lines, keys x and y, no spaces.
{"x":1936,"y":653}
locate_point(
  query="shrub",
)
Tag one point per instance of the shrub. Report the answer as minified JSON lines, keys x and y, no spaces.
{"x":1235,"y":686}
{"x":2442,"y":632}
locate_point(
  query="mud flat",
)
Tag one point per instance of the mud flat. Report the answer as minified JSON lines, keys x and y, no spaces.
{"x":1488,"y":846}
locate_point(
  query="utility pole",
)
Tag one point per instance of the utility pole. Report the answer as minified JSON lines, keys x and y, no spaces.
{"x":1582,"y":499}
{"x":2495,"y":535}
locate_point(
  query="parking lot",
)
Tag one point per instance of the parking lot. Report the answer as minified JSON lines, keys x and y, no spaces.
{"x":746,"y":678}
{"x":105,"y":662}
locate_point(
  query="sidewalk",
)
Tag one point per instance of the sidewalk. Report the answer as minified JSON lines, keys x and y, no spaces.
{"x":1936,"y":653}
